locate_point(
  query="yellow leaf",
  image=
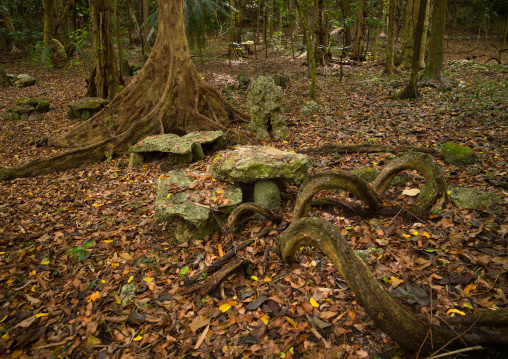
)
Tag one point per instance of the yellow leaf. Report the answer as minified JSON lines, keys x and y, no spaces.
{"x":267,"y":279}
{"x":426,"y":234}
{"x":469,"y":288}
{"x":292,"y":322}
{"x":220,"y":191}
{"x":455,"y":311}
{"x":38,"y":315}
{"x":3,"y":318}
{"x":265,"y":318}
{"x":392,"y":279}
{"x":10,"y":280}
{"x":94,"y":296}
{"x":114,"y":264}
{"x":93,"y":340}
{"x":225,"y":307}
{"x":139,"y":337}
{"x":102,"y":281}
{"x":313,"y":263}
{"x":148,"y":279}
{"x":2,"y":252}
{"x":33,"y":272}
{"x":253,"y":277}
{"x":98,"y":204}
{"x":449,"y":192}
{"x":6,"y":336}
{"x":108,"y":241}
{"x":414,"y":233}
{"x":313,"y":302}
{"x":131,"y":278}
{"x":33,"y":287}
{"x":468,"y":305}
{"x":407,"y":235}
{"x":169,"y":195}
{"x":45,"y":262}
{"x":502,"y":173}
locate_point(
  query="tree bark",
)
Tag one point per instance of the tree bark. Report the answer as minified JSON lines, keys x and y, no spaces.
{"x":411,"y":90}
{"x":167,"y":96}
{"x":347,"y":14}
{"x":388,"y":69}
{"x":357,"y":52}
{"x":6,"y":16}
{"x":321,"y":52}
{"x":133,"y":20}
{"x":146,"y":29}
{"x":378,"y":28}
{"x":434,"y":68}
{"x":48,"y":7}
{"x":105,"y":77}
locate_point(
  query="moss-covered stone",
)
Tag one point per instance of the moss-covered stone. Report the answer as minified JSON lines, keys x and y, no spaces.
{"x":471,"y":198}
{"x":243,"y":81}
{"x":309,"y":107}
{"x":250,"y":164}
{"x":281,"y":80}
{"x":86,"y":107}
{"x":267,"y":194}
{"x":458,"y":155}
{"x":191,"y":196}
{"x":264,"y":100}
{"x":21,"y":112}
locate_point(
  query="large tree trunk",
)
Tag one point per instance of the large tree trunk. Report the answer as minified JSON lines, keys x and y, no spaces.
{"x":321,"y":52}
{"x":434,"y":68}
{"x":48,"y":7}
{"x":167,"y":96}
{"x":105,"y":76}
{"x":7,"y":21}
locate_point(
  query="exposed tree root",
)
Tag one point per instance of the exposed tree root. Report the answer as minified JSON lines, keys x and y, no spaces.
{"x":333,"y":180}
{"x":389,"y":211}
{"x":433,"y":192}
{"x":213,"y":282}
{"x":250,"y":207}
{"x":410,"y":332}
{"x":336,"y":148}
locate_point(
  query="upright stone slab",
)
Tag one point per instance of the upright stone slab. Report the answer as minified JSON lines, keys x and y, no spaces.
{"x":264,"y":100}
{"x":195,"y":201}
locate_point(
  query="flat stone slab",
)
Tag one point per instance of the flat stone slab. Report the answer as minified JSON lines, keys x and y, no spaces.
{"x":195,"y":198}
{"x":23,"y":80}
{"x":169,"y":143}
{"x":180,"y":150}
{"x":471,"y":198}
{"x":205,"y":137}
{"x":25,"y":106}
{"x":249,"y":164}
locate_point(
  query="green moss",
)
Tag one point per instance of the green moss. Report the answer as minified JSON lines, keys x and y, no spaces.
{"x":458,"y":155}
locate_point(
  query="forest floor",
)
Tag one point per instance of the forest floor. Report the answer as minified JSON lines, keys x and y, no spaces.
{"x":70,"y":241}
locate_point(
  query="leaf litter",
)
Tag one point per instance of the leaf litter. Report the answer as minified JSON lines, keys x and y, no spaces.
{"x":86,"y":269}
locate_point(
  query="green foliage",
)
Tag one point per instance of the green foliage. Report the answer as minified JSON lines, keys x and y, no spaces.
{"x":81,"y":253}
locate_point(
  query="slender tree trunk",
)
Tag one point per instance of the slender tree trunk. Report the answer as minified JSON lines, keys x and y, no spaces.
{"x":258,"y":16}
{"x":270,"y":22}
{"x":105,"y":76}
{"x":133,"y":20}
{"x":347,"y":14}
{"x":311,"y":60}
{"x":434,"y":68}
{"x":146,"y":28}
{"x":119,"y":40}
{"x":388,"y":69}
{"x":411,"y":90}
{"x":321,"y":52}
{"x":357,"y":52}
{"x":167,"y":96}
{"x":424,"y":36}
{"x":48,"y":8}
{"x":378,"y":28}
{"x":71,"y":18}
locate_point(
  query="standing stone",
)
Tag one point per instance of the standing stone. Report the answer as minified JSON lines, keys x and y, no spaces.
{"x":264,"y":100}
{"x":267,"y":194}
